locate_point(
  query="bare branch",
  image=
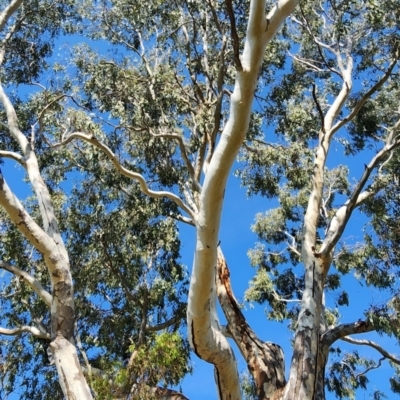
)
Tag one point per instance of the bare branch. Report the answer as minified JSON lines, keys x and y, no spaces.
{"x":32,"y":167}
{"x":235,"y":37}
{"x":376,"y":366}
{"x":377,"y":347}
{"x":318,"y":43}
{"x":184,"y":154}
{"x":282,"y":300}
{"x":33,"y":283}
{"x":164,"y":325}
{"x":183,"y":219}
{"x":342,"y":215}
{"x":13,"y":123}
{"x":25,"y":329}
{"x":126,"y":172}
{"x":321,"y":114}
{"x":292,"y":246}
{"x":260,"y":355}
{"x":14,"y":156}
{"x":332,"y":335}
{"x":365,"y":97}
{"x":26,"y":225}
{"x":8,"y":12}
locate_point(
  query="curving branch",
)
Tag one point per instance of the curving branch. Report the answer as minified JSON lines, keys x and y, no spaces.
{"x":33,"y":283}
{"x":377,"y":347}
{"x":184,"y":154}
{"x":265,"y":359}
{"x":126,"y":172}
{"x":366,"y":96}
{"x":14,"y":156}
{"x":8,"y":12}
{"x":25,"y":329}
{"x":342,"y":215}
{"x":376,"y":366}
{"x":339,"y":332}
{"x":164,"y":325}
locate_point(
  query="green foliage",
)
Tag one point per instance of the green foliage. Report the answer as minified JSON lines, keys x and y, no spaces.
{"x":159,"y":98}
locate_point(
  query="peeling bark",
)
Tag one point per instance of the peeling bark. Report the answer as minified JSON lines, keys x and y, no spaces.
{"x":265,"y":360}
{"x":304,"y":367}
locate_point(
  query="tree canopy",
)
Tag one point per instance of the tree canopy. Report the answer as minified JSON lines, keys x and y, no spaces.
{"x":127,"y":120}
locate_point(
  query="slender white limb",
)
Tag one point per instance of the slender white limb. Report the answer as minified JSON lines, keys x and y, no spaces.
{"x":33,"y":283}
{"x":32,"y":168}
{"x":25,"y":329}
{"x":184,"y":154}
{"x":365,"y":97}
{"x":342,"y":215}
{"x":338,"y":332}
{"x":26,"y":225}
{"x":14,"y":156}
{"x":8,"y":12}
{"x":126,"y":172}
{"x":377,"y":347}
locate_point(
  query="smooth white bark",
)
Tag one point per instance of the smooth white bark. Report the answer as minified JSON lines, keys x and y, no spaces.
{"x":49,"y":242}
{"x":205,"y":334}
{"x":33,"y":283}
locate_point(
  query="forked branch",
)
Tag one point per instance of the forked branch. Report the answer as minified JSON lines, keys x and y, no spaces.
{"x":33,"y":283}
{"x":25,"y":329}
{"x":377,"y":347}
{"x":126,"y":172}
{"x":342,"y":215}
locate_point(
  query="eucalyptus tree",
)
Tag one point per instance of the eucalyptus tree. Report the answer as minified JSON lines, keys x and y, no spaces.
{"x":104,"y":307}
{"x":150,"y":131}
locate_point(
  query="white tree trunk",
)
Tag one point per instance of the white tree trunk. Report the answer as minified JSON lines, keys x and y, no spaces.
{"x":205,"y":335}
{"x":49,"y":242}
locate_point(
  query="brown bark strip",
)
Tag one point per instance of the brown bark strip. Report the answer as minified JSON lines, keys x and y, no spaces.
{"x":264,"y":359}
{"x":235,"y":37}
{"x":168,"y":394}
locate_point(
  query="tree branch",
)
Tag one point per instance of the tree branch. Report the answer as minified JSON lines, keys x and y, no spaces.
{"x":184,"y":154}
{"x":235,"y":37}
{"x":126,"y":172}
{"x":339,"y":332}
{"x":23,"y":221}
{"x":8,"y":12}
{"x":342,"y":215}
{"x":25,"y":329}
{"x":265,"y":359}
{"x":14,"y":156}
{"x":365,"y":97}
{"x":205,"y":335}
{"x":164,"y":325}
{"x":33,"y":283}
{"x":377,"y":347}
{"x":32,"y":167}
